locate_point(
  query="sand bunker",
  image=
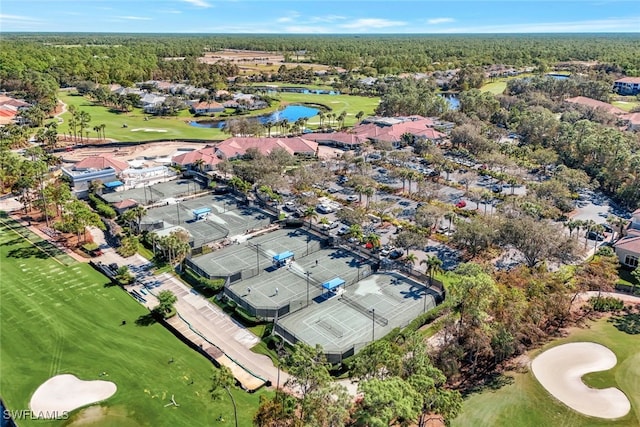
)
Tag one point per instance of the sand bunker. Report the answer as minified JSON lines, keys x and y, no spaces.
{"x":560,"y":371}
{"x":148,"y":130}
{"x":64,"y":393}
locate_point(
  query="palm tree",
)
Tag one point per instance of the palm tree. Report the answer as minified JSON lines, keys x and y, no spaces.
{"x":486,"y":198}
{"x":599,"y":230}
{"x":433,"y":266}
{"x":198,"y":165}
{"x":410,"y":260}
{"x":619,"y":222}
{"x":572,"y":225}
{"x":269,"y":125}
{"x":223,"y":378}
{"x":369,"y":192}
{"x":588,"y":226}
{"x":355,"y":231}
{"x":310,"y":213}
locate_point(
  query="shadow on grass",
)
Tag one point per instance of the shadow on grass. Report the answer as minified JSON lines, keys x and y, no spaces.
{"x":27,"y":252}
{"x":492,"y":382}
{"x":629,"y":323}
{"x":148,"y":319}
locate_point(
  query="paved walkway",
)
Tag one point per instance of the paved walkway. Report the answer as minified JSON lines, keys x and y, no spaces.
{"x":202,"y":322}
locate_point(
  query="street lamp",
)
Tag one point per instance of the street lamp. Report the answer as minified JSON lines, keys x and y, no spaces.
{"x":307,"y":273}
{"x":178,"y":209}
{"x":424,"y":309}
{"x":373,"y":324}
{"x":258,"y":257}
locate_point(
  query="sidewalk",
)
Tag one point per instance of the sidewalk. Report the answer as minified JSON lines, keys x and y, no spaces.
{"x":200,"y":321}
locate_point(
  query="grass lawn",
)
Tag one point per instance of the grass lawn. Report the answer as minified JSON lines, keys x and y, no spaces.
{"x":495,"y":87}
{"x":58,"y":319}
{"x":625,"y":105}
{"x":336,"y":103}
{"x":157,"y":128}
{"x":526,"y":403}
{"x":175,"y":127}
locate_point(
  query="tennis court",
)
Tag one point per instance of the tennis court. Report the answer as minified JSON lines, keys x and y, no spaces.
{"x":226,"y":219}
{"x":157,"y":192}
{"x":291,"y":281}
{"x":372,"y":308}
{"x":260,"y":249}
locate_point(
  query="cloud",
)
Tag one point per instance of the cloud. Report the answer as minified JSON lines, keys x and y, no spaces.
{"x":371,"y":24}
{"x":134,"y":18}
{"x":291,"y":17}
{"x":436,"y":21}
{"x":621,"y":25}
{"x":198,"y":3}
{"x":327,"y":18}
{"x":19,"y":22}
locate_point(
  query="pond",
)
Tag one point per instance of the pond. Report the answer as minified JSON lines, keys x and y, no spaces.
{"x":291,"y":113}
{"x":558,"y":76}
{"x":452,"y":99}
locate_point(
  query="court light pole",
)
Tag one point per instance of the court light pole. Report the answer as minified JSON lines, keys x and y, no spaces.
{"x":307,"y":273}
{"x":258,"y":257}
{"x":373,"y":324}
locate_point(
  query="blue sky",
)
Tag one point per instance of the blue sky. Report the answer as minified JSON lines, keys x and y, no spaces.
{"x":320,"y":17}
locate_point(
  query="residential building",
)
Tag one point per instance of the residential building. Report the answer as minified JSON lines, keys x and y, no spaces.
{"x":347,"y":140}
{"x":207,"y":107}
{"x":595,"y":104}
{"x":627,"y":86}
{"x":628,"y":248}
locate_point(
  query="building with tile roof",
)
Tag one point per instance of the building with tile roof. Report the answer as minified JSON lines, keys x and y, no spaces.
{"x":101,"y":162}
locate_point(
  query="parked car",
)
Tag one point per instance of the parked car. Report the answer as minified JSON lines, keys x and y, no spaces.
{"x":352,"y":198}
{"x":386,"y":250}
{"x":496,"y":188}
{"x":396,"y":254}
{"x":461,"y":204}
{"x":333,"y":190}
{"x":592,"y":235}
{"x":324,"y":209}
{"x":342,"y":231}
{"x":607,"y":228}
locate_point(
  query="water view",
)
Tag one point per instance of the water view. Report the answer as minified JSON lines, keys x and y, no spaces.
{"x":452,"y":99}
{"x":291,"y":113}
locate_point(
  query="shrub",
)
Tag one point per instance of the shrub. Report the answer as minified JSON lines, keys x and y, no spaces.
{"x":106,"y":211}
{"x":201,"y":283}
{"x":606,"y":304}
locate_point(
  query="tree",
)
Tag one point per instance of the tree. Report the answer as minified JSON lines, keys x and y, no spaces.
{"x":410,"y":240}
{"x":310,"y":214}
{"x":166,"y":301}
{"x":223,"y":378}
{"x":387,"y":402}
{"x":410,"y":260}
{"x":536,"y":240}
{"x":310,"y":377}
{"x":76,"y":217}
{"x":433,"y":265}
{"x":636,"y":275}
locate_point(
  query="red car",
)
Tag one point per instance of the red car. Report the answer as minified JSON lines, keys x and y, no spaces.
{"x":461,"y":204}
